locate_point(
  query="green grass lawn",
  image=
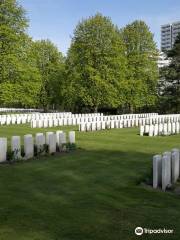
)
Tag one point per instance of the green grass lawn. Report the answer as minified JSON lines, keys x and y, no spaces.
{"x":94,"y":193}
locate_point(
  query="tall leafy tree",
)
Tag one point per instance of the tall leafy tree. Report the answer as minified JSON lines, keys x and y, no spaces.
{"x":19,"y":77}
{"x":142,"y":75}
{"x":96,"y":65}
{"x":12,"y":37}
{"x":50,"y":63}
{"x":170,"y":79}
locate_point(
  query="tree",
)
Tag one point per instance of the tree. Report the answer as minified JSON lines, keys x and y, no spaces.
{"x":12,"y":36}
{"x":95,"y":65}
{"x":170,"y":75}
{"x":142,"y":75}
{"x":19,"y":77}
{"x":50,"y":63}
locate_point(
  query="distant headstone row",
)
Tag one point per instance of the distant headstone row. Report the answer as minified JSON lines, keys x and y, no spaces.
{"x":40,"y":120}
{"x":157,"y":119}
{"x":9,"y":119}
{"x":73,"y":119}
{"x":49,"y":143}
{"x":114,"y":121}
{"x":161,"y":129}
{"x":7,"y":110}
{"x":166,"y":169}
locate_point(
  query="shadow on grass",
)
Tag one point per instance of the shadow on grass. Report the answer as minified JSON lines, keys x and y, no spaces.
{"x":83,"y":195}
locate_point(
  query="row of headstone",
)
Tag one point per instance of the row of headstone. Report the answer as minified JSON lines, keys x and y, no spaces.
{"x":65,"y":118}
{"x":160,"y":119}
{"x":110,"y":124}
{"x":92,"y":116}
{"x":54,"y":142}
{"x":7,"y":110}
{"x":54,"y":122}
{"x":162,"y":129}
{"x":120,"y":122}
{"x":114,"y":121}
{"x":78,"y":120}
{"x":27,"y":118}
{"x":166,"y":169}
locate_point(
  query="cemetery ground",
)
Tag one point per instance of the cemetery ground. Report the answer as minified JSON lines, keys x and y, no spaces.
{"x":93,"y":193}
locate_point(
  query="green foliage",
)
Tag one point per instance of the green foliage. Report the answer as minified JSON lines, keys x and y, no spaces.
{"x":31,"y":73}
{"x":12,"y":38}
{"x":19,"y":76}
{"x":12,"y":27}
{"x":96,"y":65}
{"x":71,"y":146}
{"x":170,"y":81}
{"x":105,"y":67}
{"x":142,"y":75}
{"x":46,"y":148}
{"x":12,"y":155}
{"x":50,"y":64}
{"x":19,"y":94}
{"x":43,"y":149}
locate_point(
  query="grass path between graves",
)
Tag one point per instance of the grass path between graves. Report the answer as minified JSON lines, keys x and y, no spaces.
{"x":93,"y":193}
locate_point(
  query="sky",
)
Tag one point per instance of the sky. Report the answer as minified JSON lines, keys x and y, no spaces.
{"x":56,"y":19}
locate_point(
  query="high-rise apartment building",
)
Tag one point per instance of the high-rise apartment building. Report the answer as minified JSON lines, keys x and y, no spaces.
{"x":169,"y":33}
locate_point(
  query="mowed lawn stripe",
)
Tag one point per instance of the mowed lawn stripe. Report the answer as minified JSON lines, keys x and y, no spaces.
{"x":92,"y":193}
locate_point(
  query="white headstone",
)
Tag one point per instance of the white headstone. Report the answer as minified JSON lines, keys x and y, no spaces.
{"x":108,"y":124}
{"x":165,"y":129}
{"x":82,"y":127}
{"x":173,"y":128}
{"x":39,"y":142}
{"x":40,"y":123}
{"x":98,"y":125}
{"x":45,"y":123}
{"x":16,"y":147}
{"x":112,"y":124}
{"x":175,"y":166}
{"x":62,"y":141}
{"x":72,"y":137}
{"x":160,"y":129}
{"x":57,"y":137}
{"x":93,"y":126}
{"x":47,"y":137}
{"x":28,"y":146}
{"x":55,"y":122}
{"x":157,"y":171}
{"x":177,"y":127}
{"x":169,"y":128}
{"x":151,"y":130}
{"x":141,"y":130}
{"x":156,"y":130}
{"x":50,"y":122}
{"x":3,"y":149}
{"x":52,"y":143}
{"x":103,"y":124}
{"x":166,"y":170}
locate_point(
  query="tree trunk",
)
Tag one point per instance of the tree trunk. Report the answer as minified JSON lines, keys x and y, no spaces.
{"x":95,"y":109}
{"x":131,"y":109}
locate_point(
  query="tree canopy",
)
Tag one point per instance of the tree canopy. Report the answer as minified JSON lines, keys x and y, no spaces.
{"x":96,"y":64}
{"x":142,"y":74}
{"x":106,"y":68}
{"x":27,"y":68}
{"x":50,"y":63}
{"x":170,"y":75}
{"x":19,"y":77}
